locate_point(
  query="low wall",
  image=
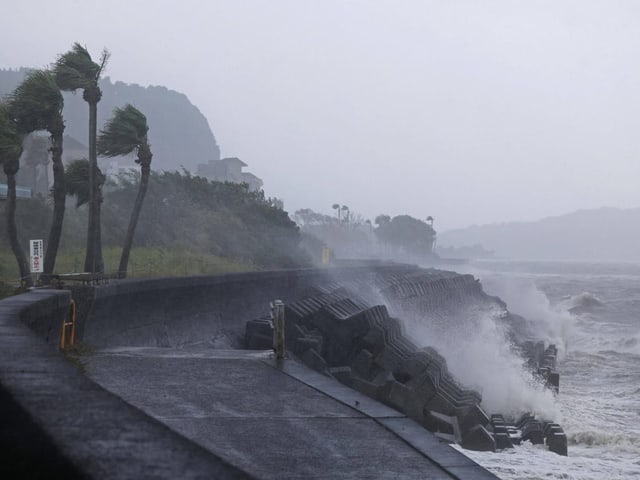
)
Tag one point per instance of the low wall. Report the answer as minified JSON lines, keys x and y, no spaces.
{"x":174,"y":311}
{"x":26,"y":368}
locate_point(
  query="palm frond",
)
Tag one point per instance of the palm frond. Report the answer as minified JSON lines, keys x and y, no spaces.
{"x":36,"y":103}
{"x":76,"y":180}
{"x":104,"y":59}
{"x":10,"y":139}
{"x":75,"y":69}
{"x":123,"y":133}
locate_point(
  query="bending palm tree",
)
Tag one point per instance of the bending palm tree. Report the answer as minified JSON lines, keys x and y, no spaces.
{"x":36,"y":104}
{"x":76,"y":70}
{"x":10,"y":151}
{"x":126,"y":132}
{"x":76,"y":180}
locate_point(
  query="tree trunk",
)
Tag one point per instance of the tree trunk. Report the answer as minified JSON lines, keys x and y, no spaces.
{"x":93,"y":260}
{"x":12,"y":231}
{"x":135,"y":214}
{"x":34,"y":179}
{"x":98,"y":224}
{"x":59,"y":198}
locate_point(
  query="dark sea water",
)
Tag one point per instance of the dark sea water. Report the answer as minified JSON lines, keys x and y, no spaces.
{"x":591,"y":311}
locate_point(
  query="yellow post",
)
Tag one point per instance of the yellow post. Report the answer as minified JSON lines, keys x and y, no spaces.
{"x":326,"y":255}
{"x":72,"y":313}
{"x":71,"y":324}
{"x":63,"y":334}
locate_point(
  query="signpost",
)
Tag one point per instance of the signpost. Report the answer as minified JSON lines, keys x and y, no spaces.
{"x":36,"y":256}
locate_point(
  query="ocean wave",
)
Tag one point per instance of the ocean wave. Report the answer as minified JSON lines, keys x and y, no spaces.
{"x":600,"y":439}
{"x":631,"y":345}
{"x":624,"y":347}
{"x":544,"y":321}
{"x":582,"y":303}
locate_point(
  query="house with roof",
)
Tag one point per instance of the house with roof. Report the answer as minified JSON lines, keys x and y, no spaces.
{"x":229,"y":170}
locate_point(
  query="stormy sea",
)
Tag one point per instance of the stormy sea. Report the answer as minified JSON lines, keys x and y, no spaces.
{"x":592,"y":312}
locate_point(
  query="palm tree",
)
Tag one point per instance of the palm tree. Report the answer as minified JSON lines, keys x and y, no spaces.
{"x":76,"y":70}
{"x":336,"y":206}
{"x":10,"y":151}
{"x":345,"y":209}
{"x":368,"y":222}
{"x":126,"y":132}
{"x":76,"y":179}
{"x":36,"y":104}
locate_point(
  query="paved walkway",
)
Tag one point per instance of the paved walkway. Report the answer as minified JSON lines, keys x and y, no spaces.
{"x":56,"y":423}
{"x":276,"y":421}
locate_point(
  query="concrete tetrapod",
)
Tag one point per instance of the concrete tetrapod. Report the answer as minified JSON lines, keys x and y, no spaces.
{"x":334,"y":331}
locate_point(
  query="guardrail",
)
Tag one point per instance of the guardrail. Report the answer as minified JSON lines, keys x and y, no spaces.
{"x":84,"y":278}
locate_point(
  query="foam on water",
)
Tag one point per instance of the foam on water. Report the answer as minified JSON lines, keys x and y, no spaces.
{"x":630,"y":344}
{"x":535,"y":462}
{"x":599,"y":396}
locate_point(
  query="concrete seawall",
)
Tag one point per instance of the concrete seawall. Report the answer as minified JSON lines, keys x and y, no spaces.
{"x":58,"y":422}
{"x":172,"y":311}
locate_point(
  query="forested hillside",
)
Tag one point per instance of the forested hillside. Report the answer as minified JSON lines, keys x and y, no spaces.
{"x":178,"y":131}
{"x":180,"y":213}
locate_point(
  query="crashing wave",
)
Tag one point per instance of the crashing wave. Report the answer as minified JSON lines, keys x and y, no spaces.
{"x":590,"y":438}
{"x":583,"y":302}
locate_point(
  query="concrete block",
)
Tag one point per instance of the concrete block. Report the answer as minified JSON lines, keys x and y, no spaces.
{"x":343,"y":375}
{"x":367,"y":388}
{"x":303,"y":344}
{"x":362,"y":363}
{"x":314,"y":360}
{"x":437,"y":422}
{"x":557,"y":443}
{"x":532,"y":431}
{"x":469,"y":417}
{"x":479,"y":438}
{"x":502,"y":440}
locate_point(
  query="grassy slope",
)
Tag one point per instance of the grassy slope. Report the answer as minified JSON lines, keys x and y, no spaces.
{"x":144,"y":262}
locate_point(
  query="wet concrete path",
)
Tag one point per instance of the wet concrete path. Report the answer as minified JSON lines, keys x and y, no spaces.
{"x":275,"y":421}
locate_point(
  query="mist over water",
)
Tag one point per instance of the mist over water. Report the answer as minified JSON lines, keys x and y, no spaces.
{"x":479,"y":353}
{"x":546,"y":322}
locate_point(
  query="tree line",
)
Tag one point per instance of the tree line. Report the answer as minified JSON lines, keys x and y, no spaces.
{"x":349,"y":234}
{"x":37,"y":105}
{"x":183,"y":215}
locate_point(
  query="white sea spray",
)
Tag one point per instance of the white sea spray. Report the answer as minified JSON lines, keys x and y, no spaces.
{"x":599,"y":395}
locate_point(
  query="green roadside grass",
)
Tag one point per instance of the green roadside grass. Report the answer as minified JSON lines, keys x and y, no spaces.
{"x":144,"y":262}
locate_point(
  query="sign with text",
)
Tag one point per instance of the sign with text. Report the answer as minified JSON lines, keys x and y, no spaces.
{"x":36,"y":256}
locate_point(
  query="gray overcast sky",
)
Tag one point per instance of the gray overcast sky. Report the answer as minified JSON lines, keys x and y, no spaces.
{"x":469,"y":111}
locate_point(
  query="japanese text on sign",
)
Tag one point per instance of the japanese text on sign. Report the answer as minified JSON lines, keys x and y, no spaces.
{"x":36,"y":256}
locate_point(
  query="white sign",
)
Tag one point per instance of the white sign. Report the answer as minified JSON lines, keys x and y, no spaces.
{"x":36,"y":256}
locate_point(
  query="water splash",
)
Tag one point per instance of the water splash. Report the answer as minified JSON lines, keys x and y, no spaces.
{"x":552,"y":324}
{"x":480,"y":356}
